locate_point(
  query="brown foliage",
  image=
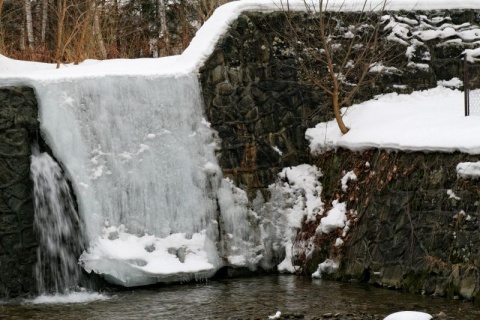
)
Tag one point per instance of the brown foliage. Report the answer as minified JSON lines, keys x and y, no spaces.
{"x":74,"y":30}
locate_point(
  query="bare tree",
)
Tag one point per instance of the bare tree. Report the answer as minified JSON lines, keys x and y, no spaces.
{"x":97,"y":31}
{"x":29,"y":22}
{"x":164,"y":34}
{"x":45,"y":6}
{"x":1,"y":28}
{"x":344,"y":63}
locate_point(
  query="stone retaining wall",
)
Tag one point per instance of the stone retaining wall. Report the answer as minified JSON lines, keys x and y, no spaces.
{"x":409,"y":233}
{"x":259,"y":98}
{"x":18,"y":243}
{"x":416,"y":225}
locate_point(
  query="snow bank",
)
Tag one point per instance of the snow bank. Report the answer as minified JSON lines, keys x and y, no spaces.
{"x":431,"y":120}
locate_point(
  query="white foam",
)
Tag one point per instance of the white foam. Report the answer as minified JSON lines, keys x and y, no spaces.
{"x":74,"y":297}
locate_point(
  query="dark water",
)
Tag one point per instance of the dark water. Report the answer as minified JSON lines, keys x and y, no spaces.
{"x":246,"y":297}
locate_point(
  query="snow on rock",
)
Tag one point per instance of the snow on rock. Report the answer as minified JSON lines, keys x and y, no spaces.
{"x":277,"y":315}
{"x":387,"y":123}
{"x":295,"y":196}
{"x":378,"y":67}
{"x":203,"y":44}
{"x":328,"y":266}
{"x":409,"y":315}
{"x":453,"y":83}
{"x":336,"y":218}
{"x":452,"y":195}
{"x":468,"y":170}
{"x":338,"y":242}
{"x":347,"y":177}
{"x":304,"y":178}
{"x":129,"y":260}
{"x":472,"y":54}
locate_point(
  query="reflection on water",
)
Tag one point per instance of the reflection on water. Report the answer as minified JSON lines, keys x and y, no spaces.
{"x":247,"y":297}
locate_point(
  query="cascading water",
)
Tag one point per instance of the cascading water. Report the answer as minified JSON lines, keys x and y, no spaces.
{"x":58,"y":227}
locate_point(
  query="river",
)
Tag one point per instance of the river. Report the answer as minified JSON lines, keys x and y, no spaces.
{"x":245,"y":298}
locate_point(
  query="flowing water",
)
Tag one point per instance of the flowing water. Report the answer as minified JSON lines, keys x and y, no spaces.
{"x":245,"y":298}
{"x":57,"y":225}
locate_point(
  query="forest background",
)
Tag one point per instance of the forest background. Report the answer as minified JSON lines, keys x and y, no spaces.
{"x":65,"y":31}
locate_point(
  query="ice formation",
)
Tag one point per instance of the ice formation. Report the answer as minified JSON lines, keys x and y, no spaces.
{"x":141,"y":159}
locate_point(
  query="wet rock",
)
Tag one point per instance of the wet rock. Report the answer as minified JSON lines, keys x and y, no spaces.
{"x":18,"y":128}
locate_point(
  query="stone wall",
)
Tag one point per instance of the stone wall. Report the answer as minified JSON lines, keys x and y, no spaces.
{"x":18,"y":127}
{"x":260,"y":99}
{"x":416,"y":224}
{"x":409,"y":234}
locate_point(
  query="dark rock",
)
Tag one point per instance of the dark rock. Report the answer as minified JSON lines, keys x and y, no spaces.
{"x":18,"y":125}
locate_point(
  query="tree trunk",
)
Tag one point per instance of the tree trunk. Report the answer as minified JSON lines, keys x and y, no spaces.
{"x":62,"y":11}
{"x":164,"y":35}
{"x":98,"y":32}
{"x":28,"y":18}
{"x":336,"y":110}
{"x":1,"y":35}
{"x":44,"y":20}
{"x":22,"y":38}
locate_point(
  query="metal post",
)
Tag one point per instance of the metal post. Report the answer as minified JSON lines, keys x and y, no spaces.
{"x":466,"y":87}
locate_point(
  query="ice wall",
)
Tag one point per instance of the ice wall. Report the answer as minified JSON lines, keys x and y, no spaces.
{"x":141,"y":160}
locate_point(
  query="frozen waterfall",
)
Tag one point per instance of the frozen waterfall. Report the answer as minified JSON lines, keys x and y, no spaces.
{"x":142,"y":162}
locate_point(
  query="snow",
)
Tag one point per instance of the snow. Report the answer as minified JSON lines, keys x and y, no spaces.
{"x":453,"y":83}
{"x":335,"y":218}
{"x":452,"y":195}
{"x":305,"y":177}
{"x":294,"y":197}
{"x":430,"y":120}
{"x":409,"y":315}
{"x":277,"y":315}
{"x":328,"y":266}
{"x":147,"y":259}
{"x":468,"y":170}
{"x":347,"y":177}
